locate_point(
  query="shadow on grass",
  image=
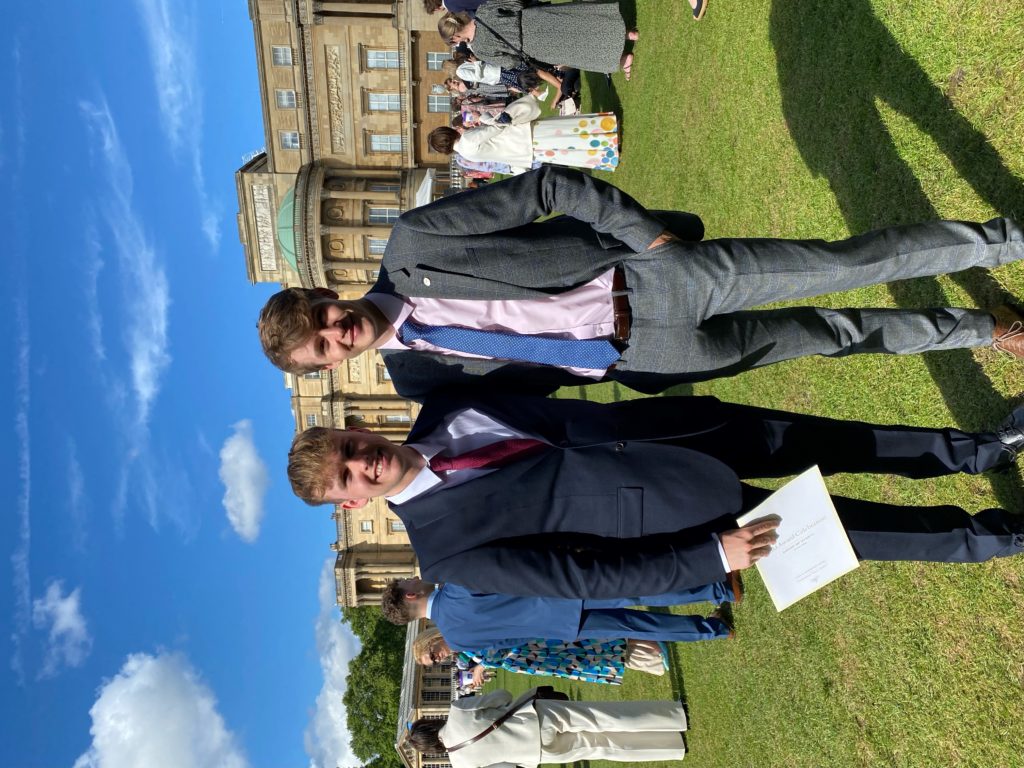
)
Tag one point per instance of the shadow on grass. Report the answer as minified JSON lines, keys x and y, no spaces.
{"x":675,"y":669}
{"x":835,"y":59}
{"x":602,"y":96}
{"x":675,"y":676}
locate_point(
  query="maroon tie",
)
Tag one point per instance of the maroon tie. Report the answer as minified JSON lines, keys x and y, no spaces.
{"x":493,"y":455}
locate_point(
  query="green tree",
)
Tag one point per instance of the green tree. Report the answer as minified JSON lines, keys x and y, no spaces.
{"x":374,"y":680}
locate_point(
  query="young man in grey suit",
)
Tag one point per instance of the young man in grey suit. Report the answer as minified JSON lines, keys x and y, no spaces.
{"x":473,"y":287}
{"x":568,"y":498}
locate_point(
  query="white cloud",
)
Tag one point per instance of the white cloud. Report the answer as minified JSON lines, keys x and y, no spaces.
{"x":144,"y":282}
{"x":145,"y":304}
{"x":170,"y":31}
{"x":93,"y":264}
{"x":157,"y":712}
{"x":327,"y":737}
{"x":245,"y":477}
{"x":16,"y":110}
{"x":76,"y":497}
{"x":23,"y":506}
{"x":69,"y":641}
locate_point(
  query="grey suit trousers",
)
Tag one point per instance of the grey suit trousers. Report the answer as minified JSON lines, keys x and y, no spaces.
{"x":693,"y":303}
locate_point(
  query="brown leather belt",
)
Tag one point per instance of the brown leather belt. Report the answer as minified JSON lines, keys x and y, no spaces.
{"x":620,"y":307}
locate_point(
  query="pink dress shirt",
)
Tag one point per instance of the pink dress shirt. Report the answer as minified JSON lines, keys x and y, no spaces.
{"x":585,"y":312}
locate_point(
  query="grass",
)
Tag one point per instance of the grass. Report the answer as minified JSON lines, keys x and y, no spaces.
{"x":796,"y":118}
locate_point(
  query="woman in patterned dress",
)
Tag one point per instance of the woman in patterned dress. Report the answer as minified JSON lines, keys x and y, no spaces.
{"x":588,"y":661}
{"x":518,"y":138}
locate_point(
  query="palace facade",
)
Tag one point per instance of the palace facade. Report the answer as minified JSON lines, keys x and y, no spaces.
{"x":349,"y":92}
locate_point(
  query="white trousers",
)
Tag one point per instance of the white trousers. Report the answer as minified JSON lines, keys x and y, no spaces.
{"x":622,"y":731}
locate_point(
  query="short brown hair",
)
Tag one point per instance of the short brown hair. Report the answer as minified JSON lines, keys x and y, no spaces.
{"x":396,"y":608}
{"x":451,"y":24}
{"x":424,"y":735}
{"x":443,"y":139}
{"x":286,"y":322}
{"x":424,"y":642}
{"x":431,"y":6}
{"x":311,"y":453}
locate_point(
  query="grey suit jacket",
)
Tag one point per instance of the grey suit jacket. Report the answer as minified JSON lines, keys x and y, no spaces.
{"x":487,"y":245}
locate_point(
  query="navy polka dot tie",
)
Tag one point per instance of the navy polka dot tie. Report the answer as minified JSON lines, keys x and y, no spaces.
{"x":596,"y":354}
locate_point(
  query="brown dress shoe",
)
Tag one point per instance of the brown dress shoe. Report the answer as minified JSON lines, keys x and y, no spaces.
{"x":1008,"y":335}
{"x":736,"y":585}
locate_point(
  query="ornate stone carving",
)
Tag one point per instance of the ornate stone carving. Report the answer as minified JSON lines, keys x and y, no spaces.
{"x":355,"y":369}
{"x":264,"y":210}
{"x":335,"y":109}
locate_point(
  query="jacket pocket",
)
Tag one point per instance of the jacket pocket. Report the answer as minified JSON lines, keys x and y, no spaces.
{"x":631,"y":513}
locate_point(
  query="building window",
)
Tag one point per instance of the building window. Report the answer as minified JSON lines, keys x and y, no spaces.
{"x":383,"y":374}
{"x":381,"y":59}
{"x":366,"y":526}
{"x":314,"y":375}
{"x":426,"y":696}
{"x":376,"y":245}
{"x":436,"y":59}
{"x":285,"y":98}
{"x":439,"y":103}
{"x":385,"y":142}
{"x":377,"y":187}
{"x":289,"y":139}
{"x":397,"y":418}
{"x":282,"y":55}
{"x":397,"y":526}
{"x":379,"y":215}
{"x":310,"y":419}
{"x":384,"y":102}
{"x":374,"y":274}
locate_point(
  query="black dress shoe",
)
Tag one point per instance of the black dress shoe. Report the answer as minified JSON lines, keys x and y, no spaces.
{"x":1011,"y":432}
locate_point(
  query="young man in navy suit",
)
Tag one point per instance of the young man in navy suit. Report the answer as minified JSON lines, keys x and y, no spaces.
{"x":472,"y":621}
{"x":568,"y":498}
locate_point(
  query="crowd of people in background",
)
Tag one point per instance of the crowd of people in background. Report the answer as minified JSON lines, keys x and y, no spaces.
{"x":511,"y":59}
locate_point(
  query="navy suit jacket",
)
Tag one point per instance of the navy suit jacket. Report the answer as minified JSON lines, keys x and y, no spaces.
{"x":471,"y":621}
{"x":606,"y":512}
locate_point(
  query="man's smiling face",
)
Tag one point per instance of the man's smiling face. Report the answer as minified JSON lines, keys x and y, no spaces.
{"x":343,"y":329}
{"x":365,"y":466}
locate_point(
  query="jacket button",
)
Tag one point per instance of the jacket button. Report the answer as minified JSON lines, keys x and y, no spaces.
{"x":426,"y":281}
{"x":620,"y":447}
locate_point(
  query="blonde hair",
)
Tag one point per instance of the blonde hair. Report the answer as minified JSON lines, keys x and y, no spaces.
{"x":424,"y":642}
{"x":451,"y":24}
{"x":310,"y":456}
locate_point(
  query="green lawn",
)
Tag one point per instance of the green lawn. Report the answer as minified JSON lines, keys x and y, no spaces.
{"x":818,"y":119}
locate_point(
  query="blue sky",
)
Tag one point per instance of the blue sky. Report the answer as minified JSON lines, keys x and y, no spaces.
{"x":167,"y":601}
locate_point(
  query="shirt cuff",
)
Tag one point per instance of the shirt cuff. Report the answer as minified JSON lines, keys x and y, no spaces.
{"x":721,"y":552}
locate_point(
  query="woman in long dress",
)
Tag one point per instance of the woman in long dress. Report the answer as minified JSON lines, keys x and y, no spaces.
{"x":521,"y":140}
{"x":545,"y":731}
{"x":590,"y":36}
{"x":586,"y":661}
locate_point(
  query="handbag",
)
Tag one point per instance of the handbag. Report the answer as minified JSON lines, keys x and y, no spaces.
{"x":541,"y":692}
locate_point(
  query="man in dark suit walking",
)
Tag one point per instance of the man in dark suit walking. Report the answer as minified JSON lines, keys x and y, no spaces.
{"x":473,"y":287}
{"x":568,"y":498}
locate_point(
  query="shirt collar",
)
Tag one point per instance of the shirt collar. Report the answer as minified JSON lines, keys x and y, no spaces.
{"x":424,"y":481}
{"x":396,"y":311}
{"x":430,"y":601}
